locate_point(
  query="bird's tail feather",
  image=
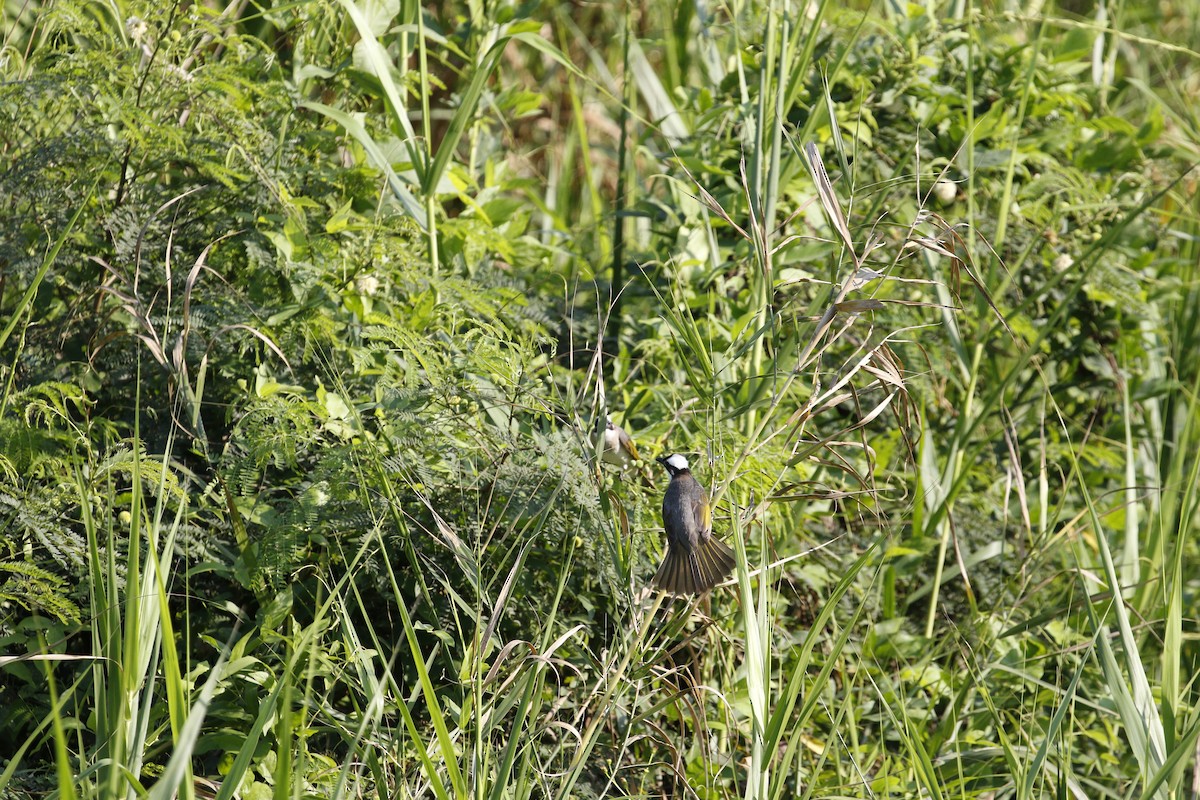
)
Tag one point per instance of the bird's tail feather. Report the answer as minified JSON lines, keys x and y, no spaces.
{"x":685,"y":571}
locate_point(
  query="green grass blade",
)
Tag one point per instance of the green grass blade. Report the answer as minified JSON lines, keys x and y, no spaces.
{"x":178,"y":771}
{"x":358,"y":131}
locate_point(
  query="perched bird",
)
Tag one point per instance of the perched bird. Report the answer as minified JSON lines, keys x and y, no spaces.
{"x":619,"y":449}
{"x":696,"y":560}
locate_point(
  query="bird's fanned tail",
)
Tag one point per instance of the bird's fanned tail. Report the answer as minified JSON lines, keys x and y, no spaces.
{"x":685,"y":571}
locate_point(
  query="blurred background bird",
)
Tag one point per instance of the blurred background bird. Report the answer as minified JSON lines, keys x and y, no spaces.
{"x":619,"y":449}
{"x":696,"y":560}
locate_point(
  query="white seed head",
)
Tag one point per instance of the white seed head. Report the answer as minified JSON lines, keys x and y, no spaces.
{"x":367,"y":284}
{"x":945,"y":191}
{"x":137,"y":29}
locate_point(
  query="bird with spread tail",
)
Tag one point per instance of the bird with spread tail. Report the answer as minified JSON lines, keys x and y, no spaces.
{"x":696,"y":560}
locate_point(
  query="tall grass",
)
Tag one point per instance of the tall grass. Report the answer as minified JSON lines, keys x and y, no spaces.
{"x":884,"y":395}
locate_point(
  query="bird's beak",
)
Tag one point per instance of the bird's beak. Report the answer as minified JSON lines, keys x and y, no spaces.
{"x":662,"y":460}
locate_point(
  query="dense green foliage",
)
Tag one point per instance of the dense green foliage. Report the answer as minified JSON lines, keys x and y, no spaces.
{"x":309,"y":313}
